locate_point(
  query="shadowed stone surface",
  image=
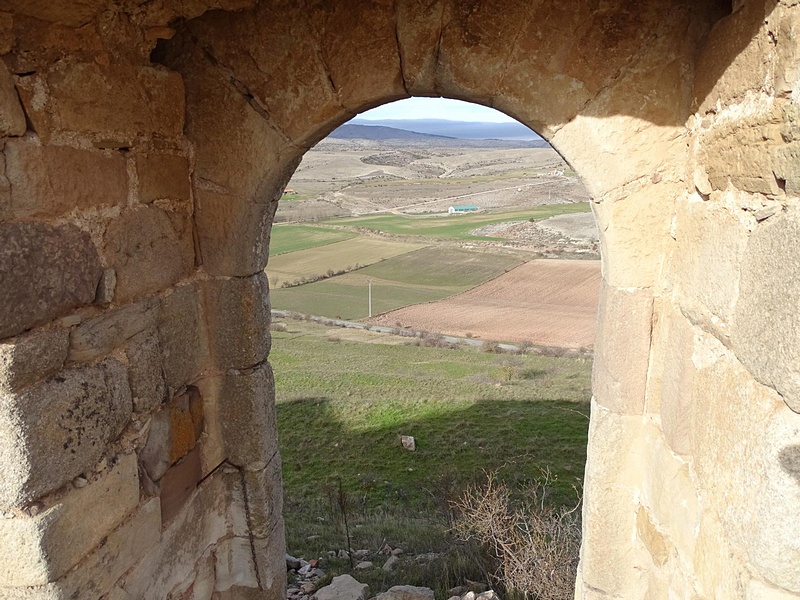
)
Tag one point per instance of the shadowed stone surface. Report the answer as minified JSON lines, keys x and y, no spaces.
{"x":58,"y":429}
{"x":45,"y":272}
{"x":767,"y":333}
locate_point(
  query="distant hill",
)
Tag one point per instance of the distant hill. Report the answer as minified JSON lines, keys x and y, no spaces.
{"x":464,"y":130}
{"x":352,"y":131}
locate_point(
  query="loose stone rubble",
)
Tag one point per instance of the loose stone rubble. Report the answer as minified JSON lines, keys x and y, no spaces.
{"x":143,"y":150}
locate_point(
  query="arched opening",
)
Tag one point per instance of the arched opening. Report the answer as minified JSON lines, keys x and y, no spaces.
{"x":137,"y":192}
{"x":377,"y":200}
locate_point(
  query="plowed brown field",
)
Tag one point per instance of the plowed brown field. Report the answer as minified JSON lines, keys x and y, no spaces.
{"x":547,"y":302}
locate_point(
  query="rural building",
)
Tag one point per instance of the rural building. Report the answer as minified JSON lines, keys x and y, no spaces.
{"x":144,"y":146}
{"x":457,"y":210}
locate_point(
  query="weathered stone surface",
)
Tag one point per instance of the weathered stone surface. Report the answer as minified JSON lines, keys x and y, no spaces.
{"x":678,"y":376}
{"x":711,"y":240}
{"x":203,"y":522}
{"x":264,"y":491}
{"x":343,"y":587}
{"x":101,"y":335}
{"x":359,"y":47}
{"x":246,"y":411}
{"x":145,"y":375}
{"x":106,"y":287}
{"x":281,"y":44}
{"x":122,"y":548}
{"x":182,"y":334}
{"x":239,"y":309}
{"x":406,"y":592}
{"x":235,"y":565}
{"x":162,"y":176}
{"x":45,"y":271}
{"x":178,"y":484}
{"x":40,"y":549}
{"x":155,"y":454}
{"x":233,"y":233}
{"x":146,"y":252}
{"x":766,"y":337}
{"x":72,"y":14}
{"x":27,"y":359}
{"x":744,"y":431}
{"x":146,"y":101}
{"x":12,"y":118}
{"x":622,"y":349}
{"x":56,"y":430}
{"x":53,"y":180}
{"x":609,"y":562}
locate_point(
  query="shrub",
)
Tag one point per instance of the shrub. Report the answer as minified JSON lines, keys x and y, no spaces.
{"x":490,"y":347}
{"x":535,"y":544}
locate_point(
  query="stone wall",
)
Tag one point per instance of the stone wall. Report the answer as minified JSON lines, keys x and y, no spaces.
{"x":144,"y":147}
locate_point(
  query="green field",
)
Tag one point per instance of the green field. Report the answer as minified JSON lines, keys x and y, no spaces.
{"x":291,"y":238}
{"x":425,"y":275}
{"x":455,"y":227}
{"x":342,"y":407}
{"x":337,"y":256}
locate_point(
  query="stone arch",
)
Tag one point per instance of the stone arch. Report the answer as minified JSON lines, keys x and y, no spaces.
{"x":144,"y":152}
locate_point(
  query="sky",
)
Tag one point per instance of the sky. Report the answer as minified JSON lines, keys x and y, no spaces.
{"x":436,"y":108}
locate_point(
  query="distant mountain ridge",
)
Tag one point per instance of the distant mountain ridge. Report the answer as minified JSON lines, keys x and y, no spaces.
{"x":352,"y":131}
{"x":465,"y":130}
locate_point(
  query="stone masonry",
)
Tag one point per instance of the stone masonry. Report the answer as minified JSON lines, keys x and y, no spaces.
{"x":143,"y":148}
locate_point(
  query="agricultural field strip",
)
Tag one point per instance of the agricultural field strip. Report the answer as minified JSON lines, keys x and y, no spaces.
{"x":336,"y":256}
{"x":292,"y":238}
{"x":455,"y":227}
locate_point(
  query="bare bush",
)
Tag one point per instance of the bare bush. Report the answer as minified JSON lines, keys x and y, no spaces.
{"x":535,"y":544}
{"x":278,"y":327}
{"x":491,"y":347}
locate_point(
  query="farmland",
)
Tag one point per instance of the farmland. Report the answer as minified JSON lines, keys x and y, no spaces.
{"x":547,"y":302}
{"x":291,"y":238}
{"x":425,"y":275}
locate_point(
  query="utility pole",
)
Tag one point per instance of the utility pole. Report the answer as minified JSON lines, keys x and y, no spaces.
{"x":369,"y":282}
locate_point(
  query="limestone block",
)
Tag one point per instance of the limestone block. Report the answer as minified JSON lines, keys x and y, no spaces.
{"x":203,"y":522}
{"x":46,"y":271}
{"x":711,"y":241}
{"x":101,"y":335}
{"x":96,"y":574}
{"x":741,"y":152}
{"x":359,"y":47}
{"x":419,"y":24}
{"x":12,"y":118}
{"x":668,"y":493}
{"x":609,"y":561}
{"x":146,"y":252}
{"x":239,"y":311}
{"x":718,"y":567}
{"x":54,"y":431}
{"x":162,"y":176}
{"x":622,"y":349}
{"x":145,"y":374}
{"x":233,"y":233}
{"x":27,"y":359}
{"x":178,"y":485}
{"x":270,"y":556}
{"x":182,"y":335}
{"x":633,"y":234}
{"x":40,"y":549}
{"x":155,"y":454}
{"x":246,"y":411}
{"x":743,"y":441}
{"x":275,"y":54}
{"x":676,"y":386}
{"x":730,"y":61}
{"x":235,"y":565}
{"x":766,"y":336}
{"x":264,"y":491}
{"x":236,"y":147}
{"x":50,"y":181}
{"x":786,"y":167}
{"x":343,"y":587}
{"x":114,"y":104}
{"x":106,"y":287}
